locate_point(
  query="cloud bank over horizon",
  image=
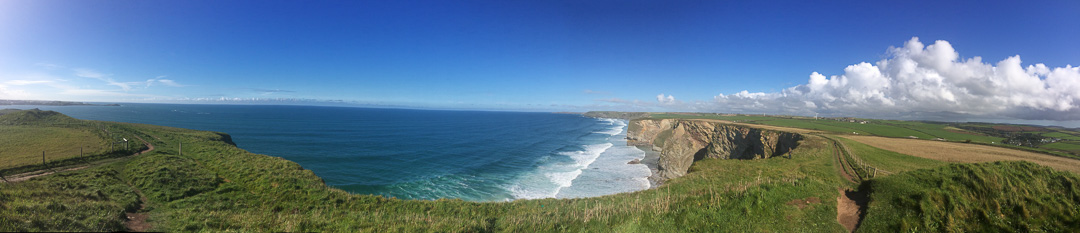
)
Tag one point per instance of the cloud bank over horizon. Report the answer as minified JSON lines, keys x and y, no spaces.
{"x":919,"y":80}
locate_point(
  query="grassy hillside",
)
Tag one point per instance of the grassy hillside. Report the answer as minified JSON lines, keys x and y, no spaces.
{"x":65,"y":141}
{"x":214,"y":186}
{"x":985,"y":197}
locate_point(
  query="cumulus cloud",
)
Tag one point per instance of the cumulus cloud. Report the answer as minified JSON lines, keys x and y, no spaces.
{"x":665,"y":100}
{"x":917,"y":79}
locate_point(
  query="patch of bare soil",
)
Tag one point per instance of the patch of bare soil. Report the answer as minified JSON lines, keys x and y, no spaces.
{"x":136,"y":221}
{"x":801,"y":204}
{"x":851,"y":208}
{"x":28,"y":175}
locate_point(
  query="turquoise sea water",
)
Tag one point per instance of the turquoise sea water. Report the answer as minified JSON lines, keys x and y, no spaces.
{"x":418,"y":154}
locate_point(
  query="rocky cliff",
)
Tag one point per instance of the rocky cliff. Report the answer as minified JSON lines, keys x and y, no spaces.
{"x":681,"y":142}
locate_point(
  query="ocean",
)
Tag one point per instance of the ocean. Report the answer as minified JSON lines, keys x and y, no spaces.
{"x":418,"y":154}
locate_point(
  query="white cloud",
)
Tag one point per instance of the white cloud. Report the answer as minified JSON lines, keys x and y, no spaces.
{"x":665,"y":100}
{"x":26,"y":82}
{"x":916,"y":79}
{"x":163,"y":81}
{"x":88,"y":73}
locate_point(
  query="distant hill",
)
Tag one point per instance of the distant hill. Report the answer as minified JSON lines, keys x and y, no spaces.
{"x":32,"y":117}
{"x":41,"y":102}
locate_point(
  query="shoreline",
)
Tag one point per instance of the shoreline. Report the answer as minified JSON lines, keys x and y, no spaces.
{"x":652,"y":158}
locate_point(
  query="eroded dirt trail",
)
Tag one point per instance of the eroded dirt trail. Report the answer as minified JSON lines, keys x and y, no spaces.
{"x":136,"y":220}
{"x":850,"y":205}
{"x":851,"y":208}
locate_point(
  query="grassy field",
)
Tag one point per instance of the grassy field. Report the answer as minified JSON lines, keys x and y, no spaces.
{"x":985,"y":197}
{"x":23,"y":144}
{"x":740,"y":118}
{"x":1061,"y":135}
{"x":65,"y":141}
{"x":889,"y":162}
{"x":808,"y":124}
{"x":1064,"y":146}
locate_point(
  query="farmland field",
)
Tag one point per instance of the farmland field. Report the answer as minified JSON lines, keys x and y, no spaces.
{"x":1061,"y":135}
{"x":965,"y":153}
{"x":1065,"y":146}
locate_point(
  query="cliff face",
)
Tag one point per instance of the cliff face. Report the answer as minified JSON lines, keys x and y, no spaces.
{"x":681,"y":142}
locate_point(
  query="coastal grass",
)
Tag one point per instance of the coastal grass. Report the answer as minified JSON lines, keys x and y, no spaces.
{"x":214,"y":186}
{"x":86,"y":200}
{"x":1013,"y":196}
{"x":261,"y":192}
{"x":889,"y":162}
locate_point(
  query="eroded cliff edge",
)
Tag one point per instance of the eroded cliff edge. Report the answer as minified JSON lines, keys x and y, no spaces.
{"x":681,"y":142}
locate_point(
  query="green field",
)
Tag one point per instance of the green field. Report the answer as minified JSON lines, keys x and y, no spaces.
{"x":1061,"y":135}
{"x":1063,"y":146}
{"x":809,"y":124}
{"x":739,"y":118}
{"x":64,"y":141}
{"x":884,"y":128}
{"x":889,"y":161}
{"x":23,"y":144}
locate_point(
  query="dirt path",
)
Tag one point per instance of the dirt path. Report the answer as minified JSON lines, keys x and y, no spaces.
{"x":850,"y":205}
{"x":28,"y":175}
{"x":136,"y":221}
{"x":841,"y":163}
{"x":851,"y":208}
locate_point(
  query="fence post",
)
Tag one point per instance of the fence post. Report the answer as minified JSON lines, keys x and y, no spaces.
{"x":42,"y":158}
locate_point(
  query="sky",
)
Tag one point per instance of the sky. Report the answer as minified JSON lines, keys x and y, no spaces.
{"x":887,"y":59}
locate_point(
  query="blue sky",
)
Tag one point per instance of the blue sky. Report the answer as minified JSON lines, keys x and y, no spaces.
{"x":539,"y":55}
